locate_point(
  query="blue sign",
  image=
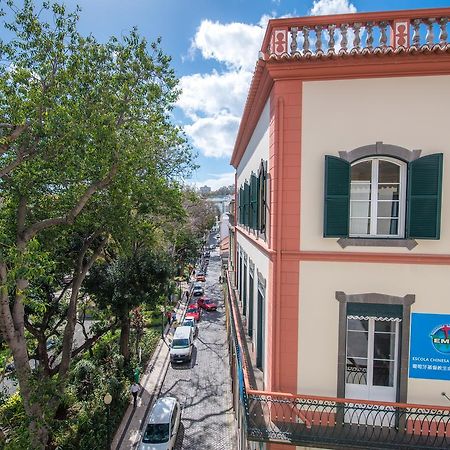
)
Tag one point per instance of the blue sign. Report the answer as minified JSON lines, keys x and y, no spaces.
{"x":429,"y":354}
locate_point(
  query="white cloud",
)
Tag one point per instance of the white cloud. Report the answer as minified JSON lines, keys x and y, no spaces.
{"x":214,"y":93}
{"x":235,"y":44}
{"x":214,"y":136}
{"x":214,"y":101}
{"x":216,"y":181}
{"x":325,"y":7}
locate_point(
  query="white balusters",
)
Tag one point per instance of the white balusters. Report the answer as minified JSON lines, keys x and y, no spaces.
{"x":369,"y":38}
{"x":318,"y":30}
{"x":305,"y":31}
{"x":294,"y":32}
{"x":416,"y":34}
{"x":383,"y":36}
{"x":357,"y":38}
{"x":331,"y":40}
{"x":443,"y":35}
{"x":344,"y":40}
{"x":429,"y":38}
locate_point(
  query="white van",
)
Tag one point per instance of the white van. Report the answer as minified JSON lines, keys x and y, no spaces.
{"x":161,"y":426}
{"x":182,"y":344}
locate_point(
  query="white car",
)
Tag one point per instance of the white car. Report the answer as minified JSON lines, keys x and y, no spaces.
{"x":162,"y":425}
{"x":190,"y":322}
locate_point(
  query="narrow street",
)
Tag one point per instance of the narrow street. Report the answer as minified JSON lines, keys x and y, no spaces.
{"x":203,"y":386}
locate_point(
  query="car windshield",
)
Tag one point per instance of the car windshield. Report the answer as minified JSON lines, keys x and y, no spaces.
{"x":208,"y":300}
{"x":188,"y":323}
{"x":197,"y":293}
{"x":192,"y":310}
{"x":156,"y":433}
{"x":180,"y":343}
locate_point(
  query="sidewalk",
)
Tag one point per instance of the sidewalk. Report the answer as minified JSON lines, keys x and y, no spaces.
{"x":128,"y":434}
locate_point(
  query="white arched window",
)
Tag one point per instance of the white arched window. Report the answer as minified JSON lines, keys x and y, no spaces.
{"x":377,"y":197}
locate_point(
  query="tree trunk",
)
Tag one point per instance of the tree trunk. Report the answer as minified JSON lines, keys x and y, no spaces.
{"x":125,"y":334}
{"x":11,"y":326}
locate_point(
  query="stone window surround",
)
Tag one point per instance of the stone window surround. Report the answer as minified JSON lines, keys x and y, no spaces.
{"x":406,"y":302}
{"x":379,"y":149}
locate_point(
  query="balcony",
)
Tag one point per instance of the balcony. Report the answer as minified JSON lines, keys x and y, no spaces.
{"x":323,"y":37}
{"x":326,"y":421}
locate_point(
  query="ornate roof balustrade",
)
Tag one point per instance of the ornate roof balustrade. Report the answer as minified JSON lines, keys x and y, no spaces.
{"x":357,"y":34}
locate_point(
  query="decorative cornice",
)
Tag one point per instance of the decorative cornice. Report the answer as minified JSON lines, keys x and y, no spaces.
{"x":380,"y":149}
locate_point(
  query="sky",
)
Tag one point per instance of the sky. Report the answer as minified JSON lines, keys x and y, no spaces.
{"x":214,"y":46}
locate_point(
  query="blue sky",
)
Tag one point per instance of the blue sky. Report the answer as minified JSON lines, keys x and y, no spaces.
{"x":214,"y":46}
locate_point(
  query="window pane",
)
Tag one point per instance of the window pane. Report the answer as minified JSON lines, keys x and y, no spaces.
{"x":388,"y":191}
{"x":384,"y":345}
{"x":387,"y":226}
{"x":362,"y":171}
{"x":359,"y":209}
{"x":388,"y":172}
{"x":359,"y":226}
{"x":387,"y":326}
{"x":357,"y":324}
{"x":383,"y":373}
{"x":388,"y":209}
{"x":357,"y":344}
{"x":356,"y":371}
{"x":359,"y":191}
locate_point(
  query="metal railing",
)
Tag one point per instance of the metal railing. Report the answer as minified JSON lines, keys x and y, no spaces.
{"x":367,"y":33}
{"x":328,"y":421}
{"x":309,"y":420}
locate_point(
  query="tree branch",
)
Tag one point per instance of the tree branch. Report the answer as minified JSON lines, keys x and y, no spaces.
{"x":70,"y":217}
{"x":18,"y":130}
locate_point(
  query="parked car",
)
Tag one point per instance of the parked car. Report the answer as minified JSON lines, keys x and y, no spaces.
{"x":191,"y":322}
{"x":207,"y":304}
{"x":162,"y":425}
{"x":197,"y":291}
{"x":182,"y":344}
{"x":200,"y":276}
{"x":193,"y":311}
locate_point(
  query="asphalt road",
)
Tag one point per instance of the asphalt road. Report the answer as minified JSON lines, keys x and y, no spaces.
{"x":203,"y":386}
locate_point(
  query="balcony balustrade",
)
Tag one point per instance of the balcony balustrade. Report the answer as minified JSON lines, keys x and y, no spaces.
{"x":334,"y":422}
{"x":358,"y":34}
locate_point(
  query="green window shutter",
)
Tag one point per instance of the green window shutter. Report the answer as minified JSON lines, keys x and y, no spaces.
{"x":337,"y":197}
{"x":247,"y":204}
{"x":241,"y":205}
{"x":423,"y":200}
{"x":253,"y":202}
{"x":258,"y":206}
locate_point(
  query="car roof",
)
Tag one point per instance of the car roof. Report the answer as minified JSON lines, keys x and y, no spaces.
{"x":192,"y":305}
{"x":182,"y":332}
{"x":162,"y":410}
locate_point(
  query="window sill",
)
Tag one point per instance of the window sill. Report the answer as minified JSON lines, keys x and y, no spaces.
{"x":377,"y":242}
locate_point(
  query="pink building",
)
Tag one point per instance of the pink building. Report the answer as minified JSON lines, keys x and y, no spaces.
{"x":340,"y":255}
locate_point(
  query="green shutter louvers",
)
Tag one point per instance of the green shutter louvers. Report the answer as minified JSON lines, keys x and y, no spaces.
{"x":424,"y":197}
{"x":336,"y":197}
{"x":253,"y":202}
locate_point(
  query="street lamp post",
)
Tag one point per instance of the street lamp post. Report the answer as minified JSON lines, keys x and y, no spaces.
{"x":107,"y":399}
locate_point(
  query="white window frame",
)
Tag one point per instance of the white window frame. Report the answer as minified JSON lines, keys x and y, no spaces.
{"x":374,"y":198}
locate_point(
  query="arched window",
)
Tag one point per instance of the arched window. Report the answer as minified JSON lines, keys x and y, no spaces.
{"x":383,"y":196}
{"x":377,"y":197}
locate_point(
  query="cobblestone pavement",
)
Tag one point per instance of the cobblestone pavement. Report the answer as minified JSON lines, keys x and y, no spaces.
{"x":203,"y":386}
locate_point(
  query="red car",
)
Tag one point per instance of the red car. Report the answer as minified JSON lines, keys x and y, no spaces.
{"x":207,"y":304}
{"x":200,"y":277}
{"x":193,"y":311}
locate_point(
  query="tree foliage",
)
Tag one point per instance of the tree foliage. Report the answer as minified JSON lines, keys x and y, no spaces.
{"x":89,"y":159}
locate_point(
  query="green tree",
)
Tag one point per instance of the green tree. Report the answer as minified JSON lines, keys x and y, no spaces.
{"x":84,"y":132}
